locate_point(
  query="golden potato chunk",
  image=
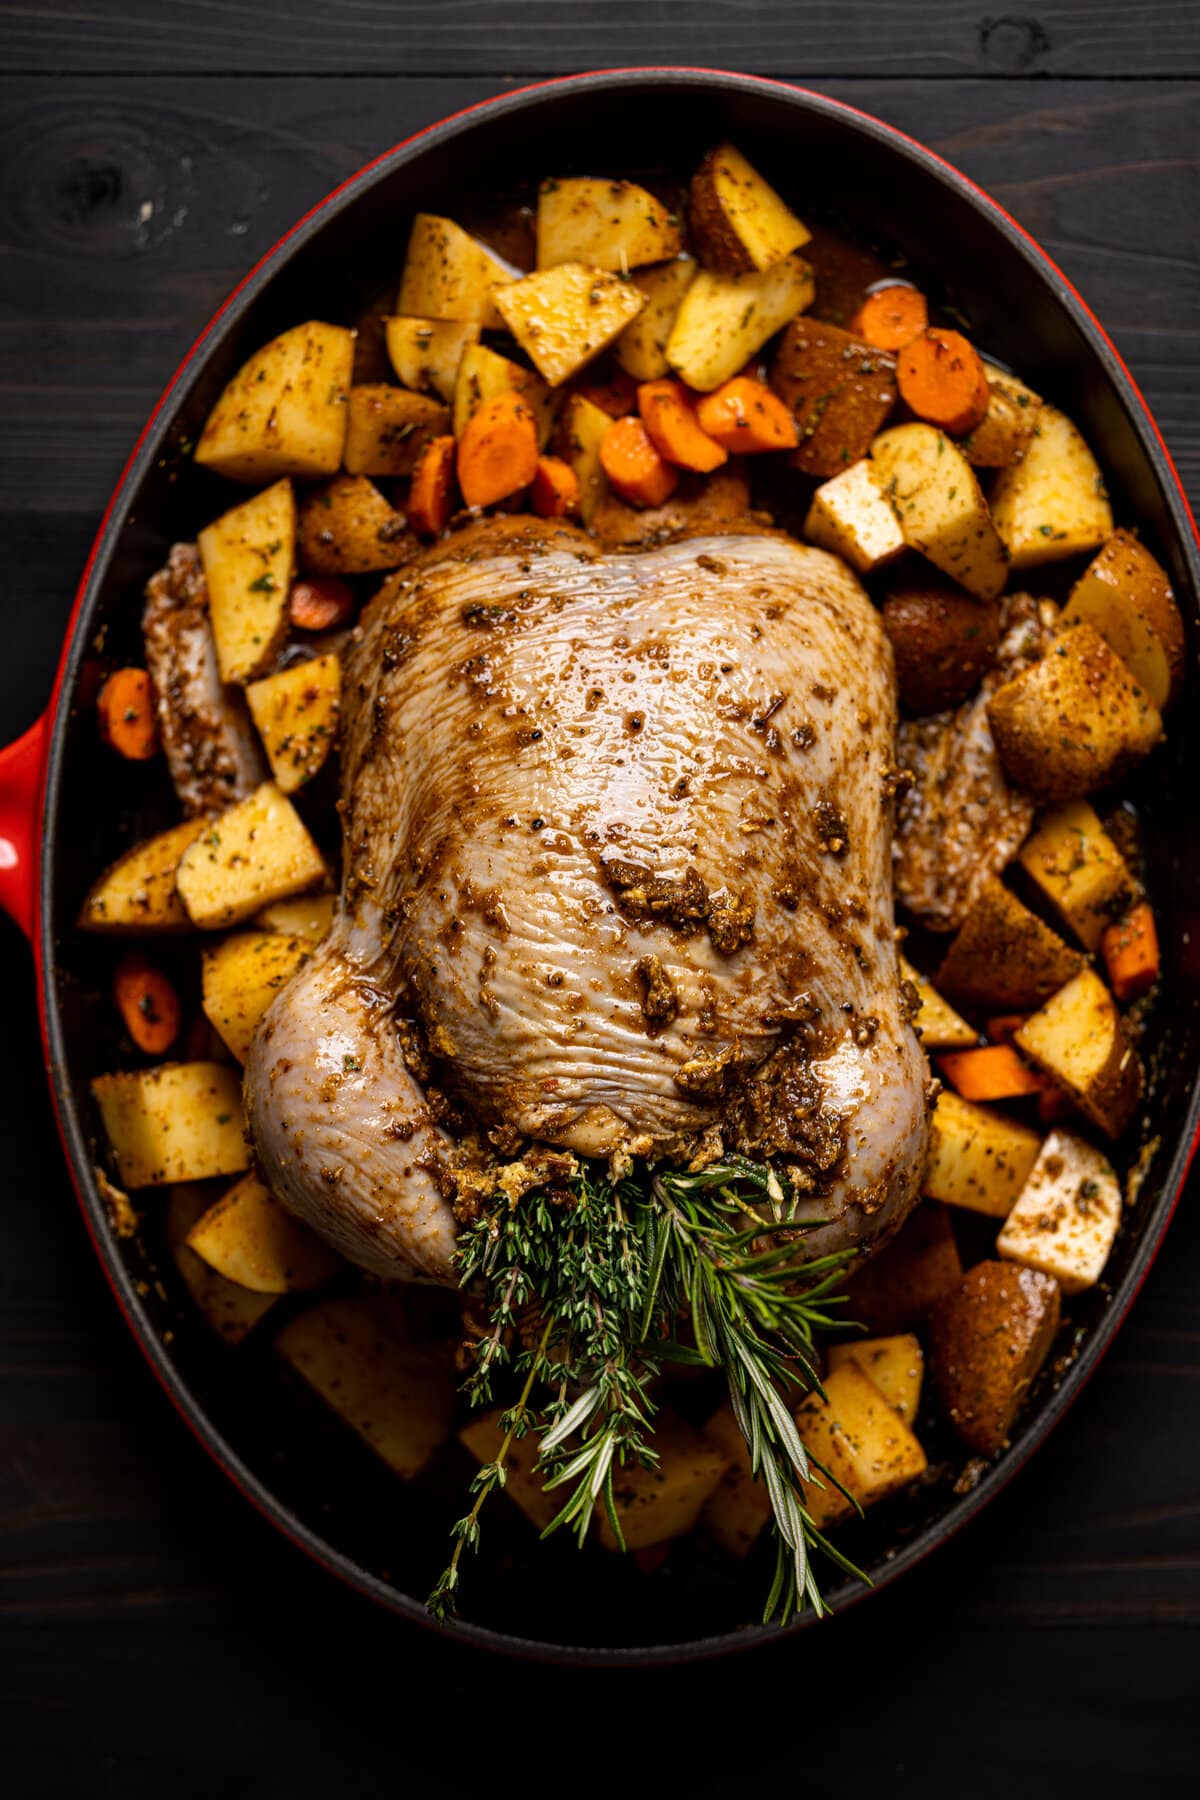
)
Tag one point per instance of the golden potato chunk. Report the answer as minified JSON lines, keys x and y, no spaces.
{"x":860,"y":1439}
{"x":296,"y":712}
{"x":937,"y":1024}
{"x":255,"y":852}
{"x":426,"y":353}
{"x":563,"y":317}
{"x":346,"y":527}
{"x":249,"y":556}
{"x":138,"y":893}
{"x":738,"y":220}
{"x":1066,"y":1215}
{"x":483,"y":374}
{"x":612,"y":225}
{"x":724,"y":319}
{"x":641,"y":349}
{"x":939,"y":505}
{"x":582,"y":431}
{"x":284,"y":412}
{"x":388,"y":427}
{"x":739,"y":1507}
{"x":850,"y":516}
{"x":230,"y":1310}
{"x":524,"y":1485}
{"x":253,"y":1241}
{"x":448,"y":275}
{"x":655,"y":1505}
{"x":1078,"y":1039}
{"x":918,"y":1267}
{"x":241,"y":977}
{"x":986,"y":1343}
{"x":1003,"y":435}
{"x":1077,"y":866}
{"x":1052,"y":503}
{"x":1004,"y":959}
{"x":978,"y":1159}
{"x":308,"y":916}
{"x":896,"y":1366}
{"x":176,"y":1122}
{"x":1125,"y":595}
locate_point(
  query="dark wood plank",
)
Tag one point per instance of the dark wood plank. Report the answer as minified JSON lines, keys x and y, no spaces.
{"x":472,"y":37}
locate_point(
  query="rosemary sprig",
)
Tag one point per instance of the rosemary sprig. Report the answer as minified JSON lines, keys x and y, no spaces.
{"x":606,"y":1273}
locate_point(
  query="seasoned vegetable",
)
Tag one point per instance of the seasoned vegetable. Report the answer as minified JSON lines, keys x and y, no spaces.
{"x":1078,"y":1038}
{"x":633,"y":466}
{"x":839,"y":389}
{"x":249,"y":1238}
{"x":986,"y":1343}
{"x":388,"y":427}
{"x":308,"y":916}
{"x":256,"y":852}
{"x":563,"y":317}
{"x":641,"y":348}
{"x":1066,"y":1215}
{"x":942,"y":380}
{"x":1003,"y":434}
{"x":656,"y":1505}
{"x":320,"y":604}
{"x":850,"y":517}
{"x":736,"y":1512}
{"x":936,"y":1023}
{"x":940,"y":508}
{"x":483,"y":374}
{"x":613,"y":225}
{"x":1125,"y":595}
{"x":1004,"y":959}
{"x":426,"y":353}
{"x":863,"y":1440}
{"x":498,"y":450}
{"x":896,"y":1289}
{"x":891,"y":315}
{"x":744,"y":416}
{"x":895,"y":1365}
{"x":978,"y":1159}
{"x":296,"y":712}
{"x":230,"y":1310}
{"x":346,"y":527}
{"x":138,"y":893}
{"x":248,"y":555}
{"x":284,"y":412}
{"x":737,"y":219}
{"x":1130,"y":952}
{"x":667,"y":412}
{"x":241,"y":977}
{"x":1052,"y":503}
{"x":994,"y":1072}
{"x":555,"y":491}
{"x":148,"y":1004}
{"x":447,"y":275}
{"x":431,"y":491}
{"x":943,"y":642}
{"x":583,"y":430}
{"x":177,"y":1122}
{"x":126,"y":712}
{"x":1079,"y":869}
{"x":724,"y":319}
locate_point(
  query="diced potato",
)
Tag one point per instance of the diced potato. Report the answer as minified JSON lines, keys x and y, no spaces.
{"x":723,"y":319}
{"x":839,"y":390}
{"x":308,"y":916}
{"x":255,"y":852}
{"x":523,"y":1484}
{"x":249,"y":555}
{"x":941,"y":510}
{"x":138,"y":893}
{"x":483,"y":374}
{"x":739,"y":1506}
{"x":448,"y":275}
{"x":1079,"y":869}
{"x":641,"y":349}
{"x":564,"y":316}
{"x":346,"y":527}
{"x":583,"y":427}
{"x":426,"y":353}
{"x":977,"y":1158}
{"x":1066,"y":1215}
{"x":399,"y":1398}
{"x":388,"y":427}
{"x":895,"y":1365}
{"x":937,"y":1024}
{"x":1004,"y":959}
{"x":861,"y":1439}
{"x":918,"y":1267}
{"x":658,"y":1504}
{"x":850,"y":516}
{"x":176,"y":1122}
{"x":1078,"y":1039}
{"x":607,"y":224}
{"x":284,"y":412}
{"x":986,"y":1342}
{"x":296,"y":712}
{"x":1052,"y":503}
{"x":738,"y":220}
{"x":253,"y":1241}
{"x":1125,"y":595}
{"x":242,"y":976}
{"x":231,"y":1311}
{"x":1008,"y":425}
{"x":1074,"y":721}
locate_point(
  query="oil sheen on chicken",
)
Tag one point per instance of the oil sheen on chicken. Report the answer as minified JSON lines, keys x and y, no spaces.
{"x":617,"y":880}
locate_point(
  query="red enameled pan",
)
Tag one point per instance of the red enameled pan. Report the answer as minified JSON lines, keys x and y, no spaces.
{"x":59,"y":824}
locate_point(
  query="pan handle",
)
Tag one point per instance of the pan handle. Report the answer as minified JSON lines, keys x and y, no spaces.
{"x":21,"y":766}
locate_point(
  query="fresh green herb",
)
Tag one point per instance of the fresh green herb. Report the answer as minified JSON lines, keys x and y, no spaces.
{"x":265,"y":584}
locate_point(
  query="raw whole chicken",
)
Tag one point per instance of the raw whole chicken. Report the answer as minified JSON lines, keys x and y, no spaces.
{"x":617,"y":881}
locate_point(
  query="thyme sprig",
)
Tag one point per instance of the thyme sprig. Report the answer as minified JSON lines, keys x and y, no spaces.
{"x":587,"y":1290}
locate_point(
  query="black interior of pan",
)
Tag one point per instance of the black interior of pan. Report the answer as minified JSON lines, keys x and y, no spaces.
{"x":333,"y":1491}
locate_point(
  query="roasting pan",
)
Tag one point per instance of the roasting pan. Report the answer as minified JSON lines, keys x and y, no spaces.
{"x":59,"y":825}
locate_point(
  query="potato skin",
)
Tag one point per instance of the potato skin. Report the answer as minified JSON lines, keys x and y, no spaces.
{"x":943,"y":642}
{"x":840,"y":391}
{"x":986,"y":1342}
{"x":1004,"y":959}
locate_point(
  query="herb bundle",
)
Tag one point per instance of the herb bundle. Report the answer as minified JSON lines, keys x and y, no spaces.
{"x":586,"y":1288}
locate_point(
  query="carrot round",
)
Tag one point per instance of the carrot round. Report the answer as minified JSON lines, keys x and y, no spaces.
{"x":891,"y":317}
{"x":555,"y":491}
{"x":634,"y":467}
{"x":1130,"y":952}
{"x":994,"y":1073}
{"x":615,"y":397}
{"x":670,"y":419}
{"x":744,"y":415}
{"x":942,"y":378}
{"x":498,"y":450}
{"x":431,"y":492}
{"x":148,"y":1004}
{"x":320,"y":603}
{"x":128,"y":722}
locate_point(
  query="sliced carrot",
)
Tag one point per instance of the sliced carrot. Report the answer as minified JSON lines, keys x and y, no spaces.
{"x":555,"y":491}
{"x":994,"y":1073}
{"x":892,"y":316}
{"x":615,"y":396}
{"x":633,"y":466}
{"x":320,"y":603}
{"x":1004,"y":1029}
{"x":498,"y":450}
{"x":128,"y":723}
{"x":670,"y":418}
{"x":431,"y":491}
{"x":1130,"y":952}
{"x":148,"y":1004}
{"x":744,"y":415}
{"x":942,"y":378}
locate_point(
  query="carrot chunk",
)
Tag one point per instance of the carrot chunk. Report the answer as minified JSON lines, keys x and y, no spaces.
{"x":148,"y":1004}
{"x":942,"y":378}
{"x":633,"y":466}
{"x":892,"y":316}
{"x":498,"y":450}
{"x":745,"y":416}
{"x":431,"y":491}
{"x":1130,"y":952}
{"x":616,"y":396}
{"x":993,"y":1073}
{"x":555,"y":491}
{"x":670,"y":419}
{"x":128,"y":723}
{"x":320,"y":603}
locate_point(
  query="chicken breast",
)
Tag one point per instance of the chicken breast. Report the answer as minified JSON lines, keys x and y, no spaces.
{"x":617,"y":879}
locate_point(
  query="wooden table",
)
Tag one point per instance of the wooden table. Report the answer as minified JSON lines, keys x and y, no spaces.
{"x":154,"y":1635}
